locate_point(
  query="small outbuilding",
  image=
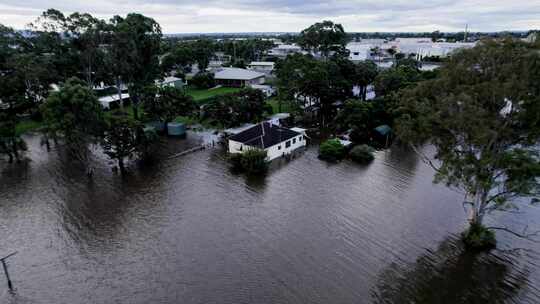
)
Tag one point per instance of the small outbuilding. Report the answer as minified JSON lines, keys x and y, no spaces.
{"x":106,"y":101}
{"x":275,"y":140}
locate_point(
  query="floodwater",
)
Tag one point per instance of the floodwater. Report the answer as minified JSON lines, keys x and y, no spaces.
{"x":189,"y":231}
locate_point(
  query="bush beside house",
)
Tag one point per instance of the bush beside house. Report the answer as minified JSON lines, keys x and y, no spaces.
{"x":362,"y":154}
{"x":332,"y":150}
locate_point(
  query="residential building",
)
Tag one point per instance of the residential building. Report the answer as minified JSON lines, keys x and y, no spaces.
{"x":275,"y":140}
{"x":171,"y":82}
{"x":283,"y":50}
{"x":107,"y":101}
{"x":236,"y":77}
{"x":262,"y":66}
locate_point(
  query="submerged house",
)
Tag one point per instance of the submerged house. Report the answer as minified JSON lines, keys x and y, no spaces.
{"x":275,"y":140}
{"x":236,"y":77}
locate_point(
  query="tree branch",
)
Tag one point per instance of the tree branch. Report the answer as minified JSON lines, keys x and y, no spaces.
{"x":529,"y":237}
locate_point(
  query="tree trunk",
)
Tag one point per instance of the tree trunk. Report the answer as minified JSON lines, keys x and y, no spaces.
{"x":119,"y":91}
{"x":479,"y":207}
{"x":15,"y":150}
{"x":121,"y":164}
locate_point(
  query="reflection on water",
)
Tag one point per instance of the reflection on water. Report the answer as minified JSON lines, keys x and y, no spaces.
{"x":188,"y":230}
{"x":452,"y":275}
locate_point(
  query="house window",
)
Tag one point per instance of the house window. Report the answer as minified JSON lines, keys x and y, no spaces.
{"x":294,"y":140}
{"x":279,"y":147}
{"x":241,"y":147}
{"x":300,"y":138}
{"x":287,"y":144}
{"x":356,"y":53}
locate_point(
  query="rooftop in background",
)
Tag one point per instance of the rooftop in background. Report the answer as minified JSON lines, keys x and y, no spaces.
{"x":264,"y":135}
{"x":237,"y":74}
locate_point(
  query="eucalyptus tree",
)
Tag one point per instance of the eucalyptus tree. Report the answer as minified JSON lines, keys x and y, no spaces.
{"x":120,"y":138}
{"x":84,"y":36}
{"x":74,"y":115}
{"x":315,"y":84}
{"x":482,"y":116}
{"x":134,"y":53}
{"x":324,"y":37}
{"x":365,"y":73}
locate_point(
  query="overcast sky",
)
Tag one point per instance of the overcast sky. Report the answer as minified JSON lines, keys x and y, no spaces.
{"x":191,"y":16}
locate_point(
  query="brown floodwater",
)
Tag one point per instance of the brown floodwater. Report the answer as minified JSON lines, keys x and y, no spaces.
{"x":188,"y":230}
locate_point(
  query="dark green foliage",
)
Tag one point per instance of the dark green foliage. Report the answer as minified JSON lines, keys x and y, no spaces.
{"x":312,"y":82}
{"x":135,"y":48}
{"x":365,"y":73}
{"x":148,"y":144}
{"x":252,"y":161}
{"x":478,"y":237}
{"x":202,"y":81}
{"x":324,"y":37}
{"x":362,"y":154}
{"x":361,"y":117}
{"x":10,"y":143}
{"x":74,"y":114}
{"x":247,"y":105}
{"x":166,"y":103}
{"x":120,"y":140}
{"x":332,"y":150}
{"x":396,"y":78}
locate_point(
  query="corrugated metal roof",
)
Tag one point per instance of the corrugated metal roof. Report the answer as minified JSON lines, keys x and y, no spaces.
{"x":237,"y":74}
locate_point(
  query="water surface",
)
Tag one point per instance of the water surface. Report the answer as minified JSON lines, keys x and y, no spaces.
{"x":190,"y":231}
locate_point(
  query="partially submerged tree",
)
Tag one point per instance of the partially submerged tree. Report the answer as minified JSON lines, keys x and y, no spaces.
{"x":120,"y":140}
{"x":482,"y":115}
{"x":75,"y":115}
{"x":166,"y":103}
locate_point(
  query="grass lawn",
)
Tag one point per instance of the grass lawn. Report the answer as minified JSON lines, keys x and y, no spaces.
{"x":200,"y":95}
{"x":286,"y":106}
{"x":27,"y":125}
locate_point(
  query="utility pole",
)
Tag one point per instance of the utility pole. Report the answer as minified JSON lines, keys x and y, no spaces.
{"x":4,"y":265}
{"x":465,"y":35}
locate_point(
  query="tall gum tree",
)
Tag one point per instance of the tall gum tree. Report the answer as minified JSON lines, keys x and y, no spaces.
{"x":482,"y":115}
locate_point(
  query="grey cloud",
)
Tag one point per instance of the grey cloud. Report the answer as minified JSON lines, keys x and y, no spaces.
{"x":293,"y":15}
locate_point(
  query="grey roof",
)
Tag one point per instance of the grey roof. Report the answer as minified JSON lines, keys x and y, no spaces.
{"x":264,"y":135}
{"x":237,"y":74}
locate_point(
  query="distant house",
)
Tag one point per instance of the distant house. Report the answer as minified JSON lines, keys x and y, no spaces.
{"x":262,"y":66}
{"x":236,"y":77}
{"x":171,"y":82}
{"x":275,"y":140}
{"x":107,"y":101}
{"x":283,"y":50}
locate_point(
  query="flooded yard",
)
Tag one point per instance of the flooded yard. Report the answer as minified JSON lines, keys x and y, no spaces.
{"x":189,"y":231}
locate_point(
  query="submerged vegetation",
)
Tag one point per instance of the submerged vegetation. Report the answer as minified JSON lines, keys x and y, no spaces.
{"x":332,"y":150}
{"x":252,"y":161}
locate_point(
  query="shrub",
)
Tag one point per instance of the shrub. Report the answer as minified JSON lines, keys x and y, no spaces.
{"x":251,"y":161}
{"x":331,"y":150}
{"x":202,"y":81}
{"x":478,"y":237}
{"x":362,"y":154}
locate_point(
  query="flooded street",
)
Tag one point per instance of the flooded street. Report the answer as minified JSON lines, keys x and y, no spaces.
{"x":189,"y":231}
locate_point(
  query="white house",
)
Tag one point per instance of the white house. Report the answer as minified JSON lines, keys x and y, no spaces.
{"x":275,"y":140}
{"x":236,"y":77}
